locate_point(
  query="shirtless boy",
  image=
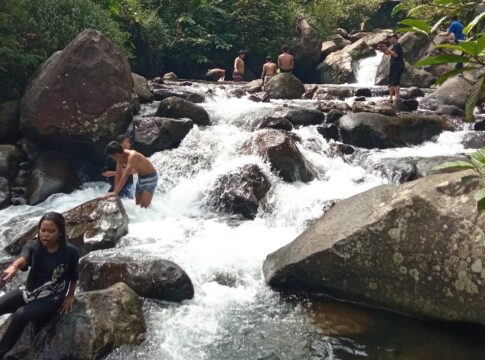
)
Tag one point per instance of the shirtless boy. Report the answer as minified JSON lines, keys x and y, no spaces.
{"x":238,"y":74}
{"x":285,"y":60}
{"x":269,"y":70}
{"x":127,"y":163}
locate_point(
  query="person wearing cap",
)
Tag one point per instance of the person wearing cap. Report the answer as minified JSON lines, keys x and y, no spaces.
{"x":397,"y":65}
{"x":269,"y":70}
{"x":238,"y":74}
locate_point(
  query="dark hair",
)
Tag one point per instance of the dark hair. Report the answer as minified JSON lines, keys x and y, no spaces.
{"x":269,"y":58}
{"x":122,"y":137}
{"x":112,"y":148}
{"x":241,"y":52}
{"x":454,"y":18}
{"x":285,"y":48}
{"x":60,"y":222}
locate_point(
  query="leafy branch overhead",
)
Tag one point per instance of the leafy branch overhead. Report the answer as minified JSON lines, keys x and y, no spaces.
{"x":470,"y":52}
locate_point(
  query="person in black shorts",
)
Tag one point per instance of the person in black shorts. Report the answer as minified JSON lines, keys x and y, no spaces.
{"x":396,"y":67}
{"x":51,"y":282}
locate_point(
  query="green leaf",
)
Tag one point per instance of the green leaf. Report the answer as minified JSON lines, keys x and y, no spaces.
{"x":478,"y":157}
{"x":469,"y":47}
{"x":438,"y":23}
{"x":441,"y":59}
{"x":474,"y":23}
{"x":481,"y":43}
{"x":447,"y":2}
{"x":480,"y":199}
{"x":440,"y":80}
{"x":398,"y":8}
{"x":477,"y":89}
{"x":418,"y":24}
{"x":416,"y":9}
{"x":405,"y":29}
{"x":453,"y":166}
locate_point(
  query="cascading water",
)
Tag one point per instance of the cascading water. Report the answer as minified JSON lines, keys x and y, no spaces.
{"x":234,"y":315}
{"x":366,"y":70}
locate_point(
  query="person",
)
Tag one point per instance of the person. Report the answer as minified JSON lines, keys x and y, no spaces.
{"x":269,"y":70}
{"x":286,"y":61}
{"x":455,"y":32}
{"x":396,"y":67}
{"x":51,"y":282}
{"x":215,"y":74}
{"x":128,"y":162}
{"x":109,"y":168}
{"x":238,"y":74}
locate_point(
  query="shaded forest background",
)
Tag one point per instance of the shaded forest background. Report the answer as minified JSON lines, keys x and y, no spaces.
{"x":184,"y":36}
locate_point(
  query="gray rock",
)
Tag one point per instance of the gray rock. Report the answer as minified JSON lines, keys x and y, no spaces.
{"x":140,"y":86}
{"x":330,"y":132}
{"x":474,"y":140}
{"x":240,"y":192}
{"x":155,"y":134}
{"x":412,"y":76}
{"x":254,"y":86}
{"x":284,"y":86}
{"x":94,"y":225}
{"x":328,"y":47}
{"x":4,"y":193}
{"x":177,"y":108}
{"x":29,"y":148}
{"x":451,"y":110}
{"x":366,"y":92}
{"x":407,"y":105}
{"x":100,"y":322}
{"x":383,"y":108}
{"x":51,"y":173}
{"x":424,"y":166}
{"x":9,"y":121}
{"x":275,"y":121}
{"x":170,"y":76}
{"x":305,"y":117}
{"x":404,"y":245}
{"x":9,"y":160}
{"x":148,"y":277}
{"x":161,"y":94}
{"x":334,"y":115}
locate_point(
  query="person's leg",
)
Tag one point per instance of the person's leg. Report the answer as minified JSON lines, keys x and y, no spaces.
{"x":11,"y":301}
{"x":146,"y":199}
{"x":397,"y":92}
{"x":37,"y":310}
{"x":391,"y":93}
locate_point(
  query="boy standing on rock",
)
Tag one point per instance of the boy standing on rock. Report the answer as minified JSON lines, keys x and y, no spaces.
{"x":127,"y":163}
{"x":269,"y":70}
{"x":286,"y":62}
{"x":239,"y":67}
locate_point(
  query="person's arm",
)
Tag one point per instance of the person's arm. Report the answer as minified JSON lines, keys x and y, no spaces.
{"x":73,"y":276}
{"x":292,"y":63}
{"x":109,"y":173}
{"x":11,"y":270}
{"x":118,"y":173}
{"x":124,"y":177}
{"x":279,"y":62}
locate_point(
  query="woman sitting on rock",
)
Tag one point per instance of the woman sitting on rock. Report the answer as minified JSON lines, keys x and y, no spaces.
{"x":50,"y":284}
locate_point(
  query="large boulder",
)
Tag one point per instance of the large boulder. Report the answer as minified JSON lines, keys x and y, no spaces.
{"x":305,"y":117}
{"x":9,"y":121}
{"x":328,"y":47}
{"x":155,"y":134}
{"x":369,"y":130}
{"x":178,"y":108}
{"x":94,"y":225}
{"x":280,"y":150}
{"x":284,"y":86}
{"x":163,"y":93}
{"x":412,"y":76}
{"x":240,"y":192}
{"x":100,"y":322}
{"x":275,"y":121}
{"x":148,"y":277}
{"x":80,"y":98}
{"x":140,"y":86}
{"x":416,"y":248}
{"x":51,"y":173}
{"x":306,"y":49}
{"x":9,"y":160}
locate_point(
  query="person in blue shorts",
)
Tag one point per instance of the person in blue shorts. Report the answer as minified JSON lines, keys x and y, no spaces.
{"x":455,"y":30}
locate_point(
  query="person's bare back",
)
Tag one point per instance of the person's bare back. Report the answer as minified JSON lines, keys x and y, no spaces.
{"x":239,"y":65}
{"x":138,"y":163}
{"x":286,"y":61}
{"x":270,"y":68}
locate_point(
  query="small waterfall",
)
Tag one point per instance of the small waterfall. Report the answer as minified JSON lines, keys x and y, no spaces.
{"x":366,"y":70}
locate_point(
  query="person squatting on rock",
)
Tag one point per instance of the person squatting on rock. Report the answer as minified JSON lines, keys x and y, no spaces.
{"x":455,"y":35}
{"x":50,"y":284}
{"x":127,"y":163}
{"x":397,"y":65}
{"x":286,"y":62}
{"x":269,"y":70}
{"x":109,"y":171}
{"x":216,"y":74}
{"x":238,"y":73}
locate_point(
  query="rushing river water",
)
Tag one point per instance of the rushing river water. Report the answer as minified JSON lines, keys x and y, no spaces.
{"x":234,"y":315}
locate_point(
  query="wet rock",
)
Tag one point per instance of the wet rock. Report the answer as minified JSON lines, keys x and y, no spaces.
{"x":330,"y":132}
{"x":9,"y":160}
{"x":339,"y":149}
{"x":412,"y":93}
{"x":156,"y":134}
{"x":412,"y":76}
{"x":148,"y":277}
{"x":310,"y":92}
{"x":418,"y":234}
{"x":93,"y":225}
{"x":254,"y":86}
{"x":140,"y":86}
{"x":4,"y":193}
{"x":370,"y":131}
{"x":334,"y":115}
{"x":328,"y":47}
{"x":158,"y":80}
{"x":474,"y":140}
{"x":357,"y":36}
{"x":170,"y":76}
{"x":177,"y":108}
{"x":51,"y":173}
{"x":479,"y":126}
{"x":366,"y":92}
{"x":281,"y":151}
{"x":259,"y":97}
{"x":451,"y":110}
{"x":407,"y":105}
{"x":396,"y":170}
{"x":342,"y":32}
{"x":306,"y":49}
{"x":240,"y":192}
{"x":339,"y":40}
{"x":305,"y":117}
{"x":284,"y":86}
{"x":424,"y":166}
{"x":275,"y":121}
{"x":360,"y":98}
{"x":161,"y":94}
{"x":80,"y":98}
{"x":9,"y":121}
{"x":100,"y":322}
{"x":28,"y":148}
{"x":383,"y":108}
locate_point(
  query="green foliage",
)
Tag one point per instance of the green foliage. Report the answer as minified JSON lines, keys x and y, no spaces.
{"x":477,"y":165}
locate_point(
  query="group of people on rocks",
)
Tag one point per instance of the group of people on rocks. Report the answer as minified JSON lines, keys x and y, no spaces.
{"x":285,"y":63}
